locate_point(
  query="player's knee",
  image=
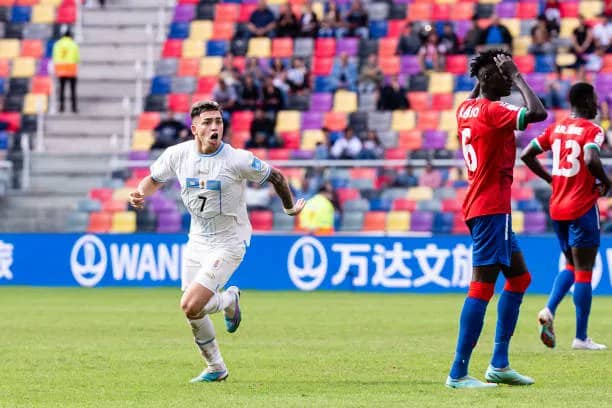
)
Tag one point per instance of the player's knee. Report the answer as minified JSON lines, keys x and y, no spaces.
{"x":191,"y":308}
{"x":518,"y":284}
{"x":481,"y":290}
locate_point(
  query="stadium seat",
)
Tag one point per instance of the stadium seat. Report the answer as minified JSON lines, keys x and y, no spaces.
{"x":420,"y":193}
{"x":43,"y":14}
{"x":457,"y":64}
{"x":33,"y":102}
{"x":222,"y":31}
{"x":410,"y":140}
{"x":142,"y":140}
{"x":525,"y":63}
{"x":99,"y":222}
{"x":282,"y":48}
{"x":398,"y":221}
{"x":261,"y":220}
{"x":322,"y":66}
{"x":200,"y":30}
{"x":419,"y":101}
{"x":77,"y":221}
{"x":441,"y":82}
{"x":172,"y":49}
{"x":345,"y":101}
{"x":419,"y":12}
{"x":210,"y":66}
{"x":325,"y":47}
{"x":188,"y":67}
{"x":32,"y":48}
{"x":403,"y":204}
{"x":518,"y":221}
{"x":374,"y":221}
{"x":311,"y":137}
{"x":590,"y":9}
{"x":101,"y":194}
{"x":335,"y":121}
{"x":112,"y":206}
{"x":259,"y":47}
{"x":421,"y":221}
{"x":567,"y":27}
{"x":390,"y":65}
{"x":288,"y":121}
{"x":41,"y":85}
{"x":441,"y":12}
{"x":387,"y":47}
{"x":442,"y":101}
{"x":179,"y":102}
{"x":352,"y":221}
{"x":428,"y":120}
{"x":403,"y":120}
{"x":9,"y":48}
{"x":217,"y":48}
{"x":443,"y":223}
{"x":462,"y":11}
{"x":66,"y":14}
{"x":227,"y":12}
{"x":569,"y":9}
{"x":193,"y":49}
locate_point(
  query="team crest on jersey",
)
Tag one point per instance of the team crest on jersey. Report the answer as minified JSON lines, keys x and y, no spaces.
{"x":257,"y":164}
{"x":192,"y":182}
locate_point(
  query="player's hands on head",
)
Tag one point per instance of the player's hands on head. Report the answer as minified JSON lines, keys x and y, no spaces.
{"x":506,"y":65}
{"x":136,"y":200}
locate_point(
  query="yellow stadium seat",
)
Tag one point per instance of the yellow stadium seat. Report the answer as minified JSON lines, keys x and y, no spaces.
{"x":122,"y":194}
{"x":521,"y":45}
{"x":124,"y":222}
{"x":513,"y":25}
{"x":490,"y":1}
{"x":43,"y":14}
{"x":210,"y":66}
{"x":23,"y":67}
{"x":9,"y":48}
{"x":460,"y":97}
{"x":51,"y":2}
{"x":567,"y":27}
{"x":276,"y":2}
{"x":564,"y":59}
{"x":193,"y":49}
{"x":310,"y":138}
{"x":319,"y":10}
{"x":345,"y":101}
{"x":590,"y":9}
{"x":518,"y":221}
{"x":200,"y":30}
{"x":448,"y":121}
{"x":288,"y":121}
{"x":259,"y":47}
{"x":142,"y":140}
{"x":31,"y":101}
{"x":441,"y":82}
{"x":403,"y":120}
{"x":446,"y":1}
{"x":420,"y":193}
{"x":398,"y":221}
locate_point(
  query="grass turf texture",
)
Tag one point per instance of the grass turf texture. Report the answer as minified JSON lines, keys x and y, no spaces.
{"x":132,"y":347}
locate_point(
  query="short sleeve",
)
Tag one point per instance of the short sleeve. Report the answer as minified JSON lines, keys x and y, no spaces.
{"x":507,"y":116}
{"x":594,"y":138}
{"x":163,"y":168}
{"x":542,"y":142}
{"x":251,"y":168}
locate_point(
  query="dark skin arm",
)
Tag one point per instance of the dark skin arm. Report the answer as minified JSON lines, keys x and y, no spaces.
{"x":593,"y":162}
{"x":282,"y":190}
{"x":528,"y":156}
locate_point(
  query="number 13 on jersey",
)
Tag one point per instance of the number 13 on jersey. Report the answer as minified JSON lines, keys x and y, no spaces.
{"x":469,"y":154}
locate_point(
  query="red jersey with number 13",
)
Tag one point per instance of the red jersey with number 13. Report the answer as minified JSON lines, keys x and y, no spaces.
{"x":573,"y":185}
{"x":486,"y":133}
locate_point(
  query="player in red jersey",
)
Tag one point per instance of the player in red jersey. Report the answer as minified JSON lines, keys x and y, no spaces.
{"x":486,"y":131}
{"x":575,"y":142}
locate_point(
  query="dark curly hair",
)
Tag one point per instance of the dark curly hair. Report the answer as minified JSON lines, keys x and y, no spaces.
{"x":484,"y":59}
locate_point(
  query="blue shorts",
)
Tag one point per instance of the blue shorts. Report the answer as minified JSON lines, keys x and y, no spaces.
{"x":582,"y":232}
{"x":494,"y":241}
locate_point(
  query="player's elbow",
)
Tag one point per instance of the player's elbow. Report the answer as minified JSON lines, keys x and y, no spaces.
{"x":276,"y":177}
{"x":537,"y":115}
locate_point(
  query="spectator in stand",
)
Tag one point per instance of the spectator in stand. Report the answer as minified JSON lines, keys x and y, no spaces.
{"x":66,"y":58}
{"x":406,"y":178}
{"x":594,"y":61}
{"x":430,"y":177}
{"x":540,"y":38}
{"x":272,"y":96}
{"x":334,"y":19}
{"x":225,"y":95}
{"x":409,"y":42}
{"x":552,"y":12}
{"x":278,"y":70}
{"x":297,"y":77}
{"x":431,"y":54}
{"x":262,"y":131}
{"x":392,"y":96}
{"x":472,"y":38}
{"x":227,"y":68}
{"x":582,"y":45}
{"x":347,"y":147}
{"x":449,"y":40}
{"x":371,"y":76}
{"x":252,"y":69}
{"x":496,"y":34}
{"x":262,"y":21}
{"x":258,"y":196}
{"x":602,"y":34}
{"x":372,"y":147}
{"x":344,"y":74}
{"x":357,"y":20}
{"x":557,"y":92}
{"x":287,"y":23}
{"x":326,"y":29}
{"x":319,"y":212}
{"x":309,"y":24}
{"x":322,"y":148}
{"x":169,"y":132}
{"x":250,"y":98}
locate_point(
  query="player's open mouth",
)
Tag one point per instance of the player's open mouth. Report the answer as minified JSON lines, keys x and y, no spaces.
{"x":214,"y":136}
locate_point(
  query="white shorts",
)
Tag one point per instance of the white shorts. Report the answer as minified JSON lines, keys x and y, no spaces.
{"x":208,"y":266}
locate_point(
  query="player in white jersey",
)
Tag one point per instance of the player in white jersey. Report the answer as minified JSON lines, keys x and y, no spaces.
{"x":213,"y":178}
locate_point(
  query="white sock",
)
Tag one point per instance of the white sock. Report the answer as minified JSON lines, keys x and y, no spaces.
{"x":218,"y":302}
{"x":204,"y":334}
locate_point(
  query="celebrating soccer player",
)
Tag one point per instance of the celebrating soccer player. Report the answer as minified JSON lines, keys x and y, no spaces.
{"x":486,"y":131}
{"x":213,"y":177}
{"x":578,"y":180}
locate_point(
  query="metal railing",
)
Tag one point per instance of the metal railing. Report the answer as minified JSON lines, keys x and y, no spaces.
{"x":27,"y":162}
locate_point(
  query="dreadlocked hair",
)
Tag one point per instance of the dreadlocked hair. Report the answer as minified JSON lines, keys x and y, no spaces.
{"x":485,"y":58}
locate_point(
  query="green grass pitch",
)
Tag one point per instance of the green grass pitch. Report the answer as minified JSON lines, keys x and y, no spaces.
{"x":133,"y":348}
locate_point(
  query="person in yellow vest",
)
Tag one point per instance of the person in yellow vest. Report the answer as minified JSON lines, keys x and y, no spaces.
{"x":318,"y":214}
{"x":66,"y":58}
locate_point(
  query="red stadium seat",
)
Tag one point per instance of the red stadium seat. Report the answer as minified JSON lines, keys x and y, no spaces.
{"x":363,"y":173}
{"x":261,"y":220}
{"x":442,"y":101}
{"x":240,"y":137}
{"x":325,"y":47}
{"x":347,"y":193}
{"x":260,"y":153}
{"x":322,"y":66}
{"x":335,"y":121}
{"x":419,"y":12}
{"x":149,"y":120}
{"x":525,"y":63}
{"x":527,"y":10}
{"x":32,"y":48}
{"x":456,"y":64}
{"x":41,"y":85}
{"x":207,"y":84}
{"x":101,"y":194}
{"x":569,"y":9}
{"x":451,"y":205}
{"x":66,"y":14}
{"x":140,"y":172}
{"x":395,"y":154}
{"x":187,"y":1}
{"x":117,"y":205}
{"x":462,"y":11}
{"x":607,"y":63}
{"x":522,"y":193}
{"x":99,"y":222}
{"x":201,"y":96}
{"x":410,"y":139}
{"x":389,"y":65}
{"x":5,"y":68}
{"x":419,"y":101}
{"x":223,"y":30}
{"x":291,"y":140}
{"x":375,"y":221}
{"x":179,"y":102}
{"x":241,"y":120}
{"x":13,"y":119}
{"x":459,"y":225}
{"x":227,"y":12}
{"x":282,"y":47}
{"x":387,"y":46}
{"x":441,"y":12}
{"x":279,"y":154}
{"x":189,"y":67}
{"x":395,"y":27}
{"x":428,"y":120}
{"x":172,"y":49}
{"x":245,"y":12}
{"x":403,"y":204}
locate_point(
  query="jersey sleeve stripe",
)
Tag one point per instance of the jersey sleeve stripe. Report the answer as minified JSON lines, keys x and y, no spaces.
{"x":267,"y":175}
{"x":536,"y":144}
{"x":520,"y":119}
{"x":157,"y":179}
{"x":592,"y":146}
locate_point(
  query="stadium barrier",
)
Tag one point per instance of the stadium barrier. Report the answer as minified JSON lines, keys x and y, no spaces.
{"x":401,"y":264}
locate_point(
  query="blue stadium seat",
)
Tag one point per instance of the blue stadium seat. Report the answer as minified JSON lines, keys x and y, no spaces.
{"x":321,"y":84}
{"x":380,"y":204}
{"x":464,"y":83}
{"x":179,"y":31}
{"x":378,"y":29}
{"x":2,"y":86}
{"x":544,"y":63}
{"x":217,"y":48}
{"x":161,"y":85}
{"x":339,"y":182}
{"x":529,"y":206}
{"x":4,"y":139}
{"x":443,"y":222}
{"x":21,"y":14}
{"x":49,"y":48}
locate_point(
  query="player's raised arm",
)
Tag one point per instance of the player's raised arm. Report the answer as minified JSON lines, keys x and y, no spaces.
{"x":282,"y":189}
{"x":535,"y":109}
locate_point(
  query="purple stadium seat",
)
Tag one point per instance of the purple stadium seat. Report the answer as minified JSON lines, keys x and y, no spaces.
{"x":537,"y":82}
{"x":169,"y":222}
{"x":421,"y":221}
{"x":160,"y":204}
{"x":302,"y":154}
{"x":535,"y":222}
{"x":312,"y":120}
{"x":348,"y":45}
{"x":506,"y":10}
{"x":43,"y":67}
{"x":462,"y":27}
{"x":409,"y":64}
{"x":321,"y":102}
{"x":183,"y":13}
{"x":264,"y":64}
{"x":434,"y":139}
{"x":138,"y":155}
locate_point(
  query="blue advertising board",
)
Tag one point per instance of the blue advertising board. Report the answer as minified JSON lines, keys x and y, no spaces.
{"x":433,"y":264}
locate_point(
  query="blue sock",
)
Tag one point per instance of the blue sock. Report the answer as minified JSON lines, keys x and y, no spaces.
{"x":470,"y":326}
{"x":563,"y":283}
{"x":582,"y":300}
{"x":507,"y":315}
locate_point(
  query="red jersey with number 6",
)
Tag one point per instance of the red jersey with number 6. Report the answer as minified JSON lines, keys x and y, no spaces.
{"x":486,"y":133}
{"x":573,"y":185}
